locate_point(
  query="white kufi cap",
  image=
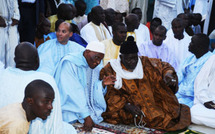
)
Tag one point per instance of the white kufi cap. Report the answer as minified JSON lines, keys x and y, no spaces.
{"x":96,"y":46}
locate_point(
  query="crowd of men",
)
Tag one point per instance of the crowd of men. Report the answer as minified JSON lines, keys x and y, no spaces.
{"x":62,"y":67}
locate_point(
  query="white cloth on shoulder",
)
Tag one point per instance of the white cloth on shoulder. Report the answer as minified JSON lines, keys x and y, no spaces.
{"x":137,"y":73}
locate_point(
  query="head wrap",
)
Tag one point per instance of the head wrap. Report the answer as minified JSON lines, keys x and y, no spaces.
{"x":129,"y":46}
{"x":96,"y":46}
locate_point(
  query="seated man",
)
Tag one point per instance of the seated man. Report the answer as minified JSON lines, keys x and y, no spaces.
{"x":53,"y":50}
{"x":196,"y":22}
{"x":132,"y":21}
{"x":190,"y":68}
{"x":95,"y":30}
{"x":203,"y":109}
{"x":75,"y":37}
{"x":80,"y":17}
{"x":14,"y":80}
{"x":82,"y":93}
{"x":178,"y":41}
{"x":110,"y":14}
{"x":142,"y":29}
{"x":43,"y":29}
{"x":112,"y":46}
{"x":64,"y":12}
{"x":155,"y":22}
{"x":16,"y":118}
{"x":155,"y":48}
{"x":144,"y":92}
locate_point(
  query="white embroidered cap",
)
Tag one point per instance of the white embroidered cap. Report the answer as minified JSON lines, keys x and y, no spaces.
{"x":96,"y":46}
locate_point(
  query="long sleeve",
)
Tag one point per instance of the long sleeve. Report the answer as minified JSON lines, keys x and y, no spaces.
{"x":16,"y":14}
{"x":73,"y":99}
{"x":88,"y":33}
{"x":205,"y":83}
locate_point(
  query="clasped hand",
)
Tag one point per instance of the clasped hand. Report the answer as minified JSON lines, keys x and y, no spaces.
{"x":134,"y":110}
{"x":108,"y":80}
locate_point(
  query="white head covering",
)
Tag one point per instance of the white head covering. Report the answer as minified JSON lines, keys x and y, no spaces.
{"x":96,"y":46}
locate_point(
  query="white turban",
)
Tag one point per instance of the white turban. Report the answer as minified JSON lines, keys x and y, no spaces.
{"x":96,"y":46}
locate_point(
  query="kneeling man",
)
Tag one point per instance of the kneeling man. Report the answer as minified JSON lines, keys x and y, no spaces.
{"x":82,"y":93}
{"x":144,"y":91}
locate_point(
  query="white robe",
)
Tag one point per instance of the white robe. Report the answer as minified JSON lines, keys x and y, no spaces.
{"x":167,"y":10}
{"x":89,"y":34}
{"x":143,"y":5}
{"x":208,"y":16}
{"x":142,"y":33}
{"x":179,"y":47}
{"x":203,"y":92}
{"x":13,"y":82}
{"x":9,"y":36}
{"x":81,"y":21}
{"x":117,"y":5}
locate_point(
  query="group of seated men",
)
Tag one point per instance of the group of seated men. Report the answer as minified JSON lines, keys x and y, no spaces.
{"x":121,"y":77}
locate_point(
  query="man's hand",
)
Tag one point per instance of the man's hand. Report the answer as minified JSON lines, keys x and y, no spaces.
{"x":108,"y":80}
{"x":14,"y":22}
{"x":2,"y":22}
{"x":88,"y":124}
{"x":134,"y":110}
{"x":209,"y":105}
{"x":170,"y":78}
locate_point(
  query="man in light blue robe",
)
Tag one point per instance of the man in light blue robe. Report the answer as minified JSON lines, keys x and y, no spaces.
{"x":190,"y":68}
{"x":51,"y":52}
{"x":14,"y":80}
{"x":82,"y":93}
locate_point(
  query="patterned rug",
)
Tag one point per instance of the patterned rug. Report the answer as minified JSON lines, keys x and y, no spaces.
{"x":106,"y":128}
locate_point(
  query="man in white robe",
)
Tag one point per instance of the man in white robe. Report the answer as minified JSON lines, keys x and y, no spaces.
{"x":132,"y":22}
{"x":51,"y":52}
{"x":203,"y":110}
{"x":80,"y":18}
{"x":9,"y":36}
{"x":14,"y":80}
{"x":155,"y":48}
{"x":95,"y":30}
{"x":142,"y":29}
{"x":82,"y":93}
{"x":178,"y":42}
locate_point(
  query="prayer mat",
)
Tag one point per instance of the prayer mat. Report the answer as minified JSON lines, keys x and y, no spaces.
{"x":106,"y":128}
